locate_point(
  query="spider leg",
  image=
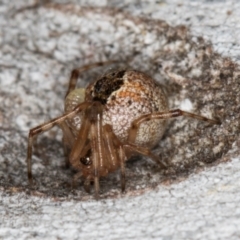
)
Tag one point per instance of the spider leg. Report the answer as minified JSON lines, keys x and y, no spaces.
{"x":144,"y":151}
{"x":163,"y":115}
{"x":79,"y":174}
{"x":87,"y":183}
{"x":112,"y":144}
{"x":44,"y":127}
{"x":75,"y":178}
{"x":122,"y":165}
{"x":76,"y":72}
{"x":67,"y":140}
{"x":96,"y":139}
{"x":109,"y":146}
{"x":80,"y":141}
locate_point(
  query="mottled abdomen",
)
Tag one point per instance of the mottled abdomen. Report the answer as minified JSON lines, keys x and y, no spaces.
{"x":127,"y":95}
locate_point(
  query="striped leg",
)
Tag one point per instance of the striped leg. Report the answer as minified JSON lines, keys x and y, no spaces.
{"x":45,"y":127}
{"x":163,"y":115}
{"x":76,"y":73}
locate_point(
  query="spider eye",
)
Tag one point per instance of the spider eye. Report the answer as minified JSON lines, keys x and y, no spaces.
{"x":87,"y":159}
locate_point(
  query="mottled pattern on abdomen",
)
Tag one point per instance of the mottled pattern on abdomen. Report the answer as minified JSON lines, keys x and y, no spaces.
{"x":137,"y":95}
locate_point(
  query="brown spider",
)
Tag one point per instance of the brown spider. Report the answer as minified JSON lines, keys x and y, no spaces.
{"x":120,"y":114}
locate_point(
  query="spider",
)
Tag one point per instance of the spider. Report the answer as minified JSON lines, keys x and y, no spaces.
{"x":120,"y":114}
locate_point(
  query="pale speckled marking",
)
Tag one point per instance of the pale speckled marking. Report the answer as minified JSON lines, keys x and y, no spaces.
{"x":146,"y":96}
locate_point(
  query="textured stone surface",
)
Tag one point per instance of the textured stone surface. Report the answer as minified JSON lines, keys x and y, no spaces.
{"x":39,"y":48}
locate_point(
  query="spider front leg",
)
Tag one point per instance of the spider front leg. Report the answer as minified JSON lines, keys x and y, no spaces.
{"x":163,"y":115}
{"x":113,"y":146}
{"x":76,"y":73}
{"x":45,"y":127}
{"x":158,"y":115}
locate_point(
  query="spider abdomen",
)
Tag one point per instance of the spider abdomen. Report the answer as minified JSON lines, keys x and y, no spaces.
{"x":126,"y":96}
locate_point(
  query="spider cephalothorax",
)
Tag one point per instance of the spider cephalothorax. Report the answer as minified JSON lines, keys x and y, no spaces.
{"x":120,"y":114}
